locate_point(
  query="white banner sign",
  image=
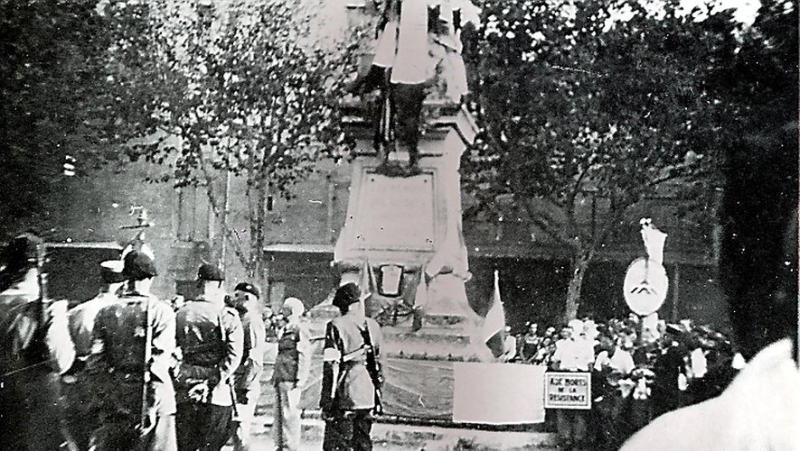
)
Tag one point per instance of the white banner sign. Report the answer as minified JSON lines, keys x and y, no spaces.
{"x":498,"y":393}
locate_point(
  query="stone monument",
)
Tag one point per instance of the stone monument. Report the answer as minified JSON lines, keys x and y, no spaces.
{"x":402,"y":240}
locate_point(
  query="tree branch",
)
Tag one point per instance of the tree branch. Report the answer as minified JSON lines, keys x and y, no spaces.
{"x":545,"y":226}
{"x":576,"y":186}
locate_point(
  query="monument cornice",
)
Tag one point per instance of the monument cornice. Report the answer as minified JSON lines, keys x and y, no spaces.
{"x":446,"y":116}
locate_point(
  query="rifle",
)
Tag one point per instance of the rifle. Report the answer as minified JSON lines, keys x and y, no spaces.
{"x":138,"y":242}
{"x":148,"y":354}
{"x":373,"y":368}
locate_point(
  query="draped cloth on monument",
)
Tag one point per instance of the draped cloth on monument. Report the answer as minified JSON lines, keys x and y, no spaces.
{"x":507,"y":393}
{"x":413,"y":388}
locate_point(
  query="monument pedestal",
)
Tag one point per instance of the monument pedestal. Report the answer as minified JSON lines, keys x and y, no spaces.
{"x":402,"y":242}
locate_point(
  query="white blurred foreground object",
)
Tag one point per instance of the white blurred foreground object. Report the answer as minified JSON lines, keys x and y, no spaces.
{"x":760,"y":410}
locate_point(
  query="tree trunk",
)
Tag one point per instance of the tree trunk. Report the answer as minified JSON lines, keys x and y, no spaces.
{"x":253,"y":215}
{"x":579,"y":266}
{"x":258,"y":225}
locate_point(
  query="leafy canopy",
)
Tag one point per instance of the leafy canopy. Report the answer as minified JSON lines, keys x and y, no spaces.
{"x":225,"y":87}
{"x":609,"y":98}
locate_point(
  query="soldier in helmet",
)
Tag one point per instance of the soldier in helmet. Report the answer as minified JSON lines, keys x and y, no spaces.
{"x":211,"y":340}
{"x":351,"y":376}
{"x":133,"y":343}
{"x":80,"y":415}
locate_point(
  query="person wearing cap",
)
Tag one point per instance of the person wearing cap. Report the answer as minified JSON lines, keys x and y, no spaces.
{"x":80,"y":416}
{"x":292,"y":365}
{"x":211,"y":342}
{"x":133,"y":340}
{"x":35,"y":349}
{"x":350,"y":388}
{"x":247,"y":377}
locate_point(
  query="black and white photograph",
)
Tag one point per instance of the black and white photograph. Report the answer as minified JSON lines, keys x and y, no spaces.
{"x":399,"y":225}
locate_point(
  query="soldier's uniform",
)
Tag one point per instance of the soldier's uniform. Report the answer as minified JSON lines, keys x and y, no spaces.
{"x":348,"y":395}
{"x":211,"y":339}
{"x":80,"y":412}
{"x":29,"y":417}
{"x":119,"y":375}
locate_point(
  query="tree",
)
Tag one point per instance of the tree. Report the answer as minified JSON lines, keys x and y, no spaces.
{"x":578,"y":99}
{"x":230,"y":89}
{"x":51,"y":98}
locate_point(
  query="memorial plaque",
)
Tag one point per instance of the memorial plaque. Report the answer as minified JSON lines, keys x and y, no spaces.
{"x":568,"y":391}
{"x":395,"y":213}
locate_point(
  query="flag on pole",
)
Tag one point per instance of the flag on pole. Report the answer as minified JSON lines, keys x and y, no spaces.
{"x":366,"y":281}
{"x":495,"y":321}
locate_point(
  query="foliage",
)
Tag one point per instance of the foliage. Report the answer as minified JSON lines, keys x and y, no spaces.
{"x":233,"y":81}
{"x":610,"y":99}
{"x":50,"y":100}
{"x":210,"y":88}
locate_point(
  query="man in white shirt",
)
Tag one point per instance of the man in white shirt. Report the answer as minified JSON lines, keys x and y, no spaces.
{"x":573,"y":353}
{"x":509,"y":346}
{"x":616,"y":360}
{"x":613,"y":364}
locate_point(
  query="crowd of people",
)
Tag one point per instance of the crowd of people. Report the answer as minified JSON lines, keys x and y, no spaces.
{"x":640,"y":369}
{"x":128,"y":371}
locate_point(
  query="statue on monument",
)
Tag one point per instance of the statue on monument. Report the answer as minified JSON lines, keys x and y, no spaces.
{"x":417,"y":53}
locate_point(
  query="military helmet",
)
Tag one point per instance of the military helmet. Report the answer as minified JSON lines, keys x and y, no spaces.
{"x":346,"y":294}
{"x":138,"y":266}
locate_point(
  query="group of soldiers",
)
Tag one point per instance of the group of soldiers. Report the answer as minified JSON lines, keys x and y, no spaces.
{"x":128,"y":371}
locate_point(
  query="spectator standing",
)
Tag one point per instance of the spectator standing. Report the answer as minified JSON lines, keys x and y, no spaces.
{"x":210,"y":337}
{"x":613,"y":365}
{"x":290,"y":375}
{"x":509,"y":345}
{"x":573,"y":353}
{"x":667,"y":390}
{"x":247,"y":378}
{"x":530,"y":343}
